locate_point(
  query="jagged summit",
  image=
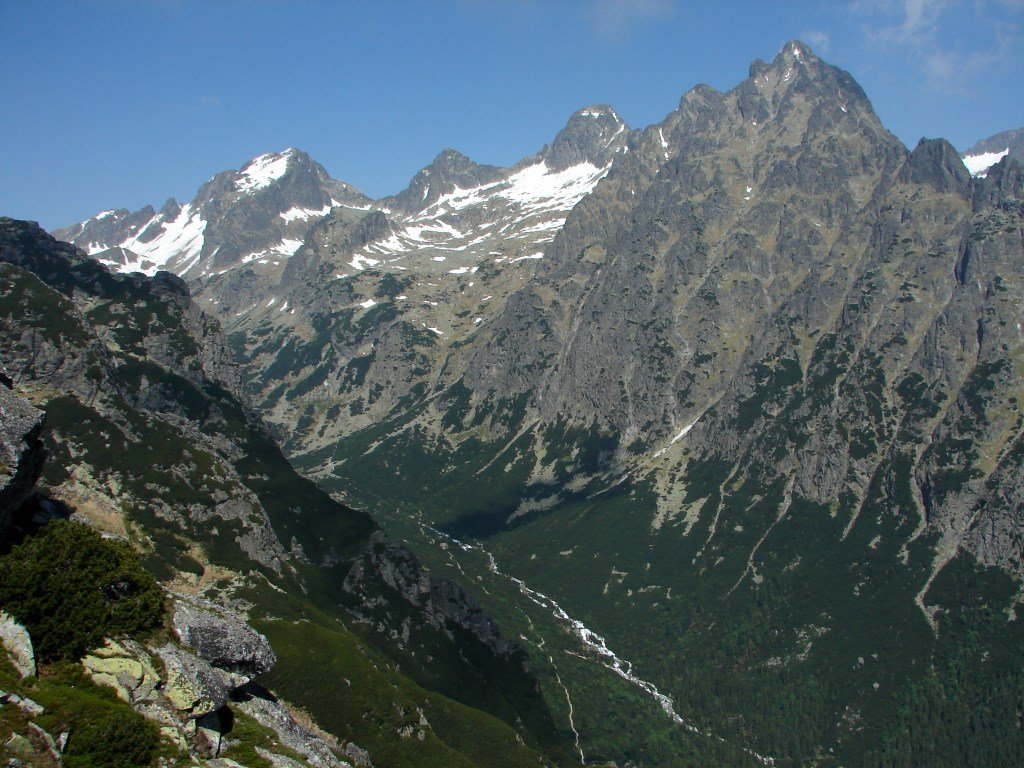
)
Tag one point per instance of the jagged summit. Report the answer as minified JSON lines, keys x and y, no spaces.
{"x":592,"y":135}
{"x":448,"y":171}
{"x":936,"y":163}
{"x":797,"y":68}
{"x":239,"y":216}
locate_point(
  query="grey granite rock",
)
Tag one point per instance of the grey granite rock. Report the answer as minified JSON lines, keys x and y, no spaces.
{"x":18,"y":645}
{"x":193,"y":686}
{"x":221,"y":637}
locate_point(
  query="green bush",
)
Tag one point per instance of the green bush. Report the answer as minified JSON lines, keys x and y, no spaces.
{"x":112,"y":739}
{"x":70,"y":587}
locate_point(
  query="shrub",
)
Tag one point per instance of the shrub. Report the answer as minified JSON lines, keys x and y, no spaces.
{"x":112,"y":739}
{"x":70,"y":587}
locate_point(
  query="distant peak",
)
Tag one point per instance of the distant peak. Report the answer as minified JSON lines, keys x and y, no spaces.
{"x":448,"y":155}
{"x":591,"y":135}
{"x":597,"y":111}
{"x":798,"y":49}
{"x":267,"y":168}
{"x":171,"y":207}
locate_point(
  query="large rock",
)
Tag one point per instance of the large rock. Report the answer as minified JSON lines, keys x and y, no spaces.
{"x":193,"y":686}
{"x":18,"y":644}
{"x":222,"y":638}
{"x":126,"y":667}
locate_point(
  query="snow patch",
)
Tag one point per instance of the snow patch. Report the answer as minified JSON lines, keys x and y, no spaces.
{"x":681,"y":434}
{"x":262,"y":171}
{"x":978,"y":165}
{"x":297,"y":214}
{"x":181,"y":241}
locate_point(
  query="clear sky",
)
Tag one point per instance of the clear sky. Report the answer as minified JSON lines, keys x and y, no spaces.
{"x":109,"y":103}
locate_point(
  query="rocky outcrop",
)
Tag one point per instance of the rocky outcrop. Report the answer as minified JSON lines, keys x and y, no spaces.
{"x":270,"y":713}
{"x":442,"y":603}
{"x":187,"y":696}
{"x":21,"y":454}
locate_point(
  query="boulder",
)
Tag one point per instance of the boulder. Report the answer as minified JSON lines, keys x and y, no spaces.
{"x":222,"y":638}
{"x":193,"y":687}
{"x":126,"y":667}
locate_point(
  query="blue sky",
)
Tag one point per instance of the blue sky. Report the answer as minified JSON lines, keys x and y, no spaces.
{"x":109,"y":103}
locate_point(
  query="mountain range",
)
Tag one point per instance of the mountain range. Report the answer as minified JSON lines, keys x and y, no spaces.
{"x":719,"y":418}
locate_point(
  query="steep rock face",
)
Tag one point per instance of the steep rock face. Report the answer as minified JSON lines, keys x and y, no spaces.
{"x":443,"y":604}
{"x":21,"y":453}
{"x":778,"y":158}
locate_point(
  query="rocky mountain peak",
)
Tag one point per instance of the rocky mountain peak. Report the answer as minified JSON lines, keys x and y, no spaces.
{"x":935,"y":162}
{"x":1010,"y":141}
{"x":276,"y":168}
{"x":593,"y":134}
{"x":797,"y":69}
{"x":449,"y":170}
{"x":170,"y":208}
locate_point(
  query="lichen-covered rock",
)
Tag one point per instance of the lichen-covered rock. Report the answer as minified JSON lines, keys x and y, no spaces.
{"x":18,"y":644}
{"x":222,"y":638}
{"x":193,"y":687}
{"x":126,"y":667}
{"x":29,"y":706}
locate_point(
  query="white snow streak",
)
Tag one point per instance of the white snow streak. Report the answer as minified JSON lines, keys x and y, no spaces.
{"x":676,"y":439}
{"x":296,"y":214}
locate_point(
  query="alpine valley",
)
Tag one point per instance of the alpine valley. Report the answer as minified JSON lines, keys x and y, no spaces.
{"x":707,"y":437}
